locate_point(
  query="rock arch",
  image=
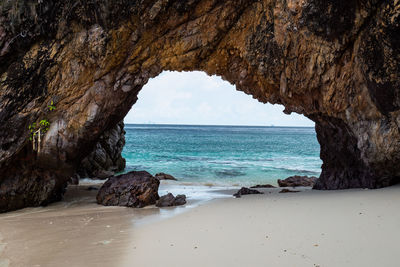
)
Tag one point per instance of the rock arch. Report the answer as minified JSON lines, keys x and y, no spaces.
{"x":337,"y":62}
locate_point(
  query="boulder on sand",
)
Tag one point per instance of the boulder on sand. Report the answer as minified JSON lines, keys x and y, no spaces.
{"x":297,"y":180}
{"x":246,"y":191}
{"x":134,"y":189}
{"x":169,"y":200}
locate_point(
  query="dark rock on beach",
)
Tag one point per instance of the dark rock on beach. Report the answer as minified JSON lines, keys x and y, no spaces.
{"x":294,"y":181}
{"x":263,"y":186}
{"x":164,"y":176}
{"x":134,"y":189}
{"x":170,"y":200}
{"x":246,"y":191}
{"x":285,"y":190}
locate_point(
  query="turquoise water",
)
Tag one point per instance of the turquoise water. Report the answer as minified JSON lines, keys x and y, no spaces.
{"x":222,"y":155}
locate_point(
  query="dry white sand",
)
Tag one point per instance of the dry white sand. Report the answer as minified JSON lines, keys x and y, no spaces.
{"x":310,"y":228}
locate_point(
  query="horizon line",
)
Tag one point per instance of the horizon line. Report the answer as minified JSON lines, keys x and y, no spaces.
{"x":236,"y":125}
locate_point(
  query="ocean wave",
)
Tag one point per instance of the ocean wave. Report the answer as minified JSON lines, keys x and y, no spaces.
{"x":229,"y":173}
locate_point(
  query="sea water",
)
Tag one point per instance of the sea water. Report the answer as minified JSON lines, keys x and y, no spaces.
{"x":222,"y":156}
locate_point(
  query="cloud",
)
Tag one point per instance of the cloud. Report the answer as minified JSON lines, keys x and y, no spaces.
{"x":196,"y":98}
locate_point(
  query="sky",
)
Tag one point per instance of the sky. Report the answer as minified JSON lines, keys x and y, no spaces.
{"x":196,"y":98}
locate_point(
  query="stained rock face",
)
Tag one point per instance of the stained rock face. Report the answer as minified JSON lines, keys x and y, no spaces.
{"x":22,"y":187}
{"x":106,"y":159}
{"x":336,"y":62}
{"x":294,"y":181}
{"x":134,"y":189}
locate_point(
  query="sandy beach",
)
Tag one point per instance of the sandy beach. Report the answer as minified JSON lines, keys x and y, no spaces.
{"x":309,"y":228}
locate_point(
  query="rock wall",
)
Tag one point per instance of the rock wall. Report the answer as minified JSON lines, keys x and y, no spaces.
{"x":335,"y":61}
{"x":106,"y":159}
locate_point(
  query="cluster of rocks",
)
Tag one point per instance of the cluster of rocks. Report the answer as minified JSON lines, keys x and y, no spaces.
{"x":292,"y":181}
{"x":169,"y":200}
{"x":137,"y":189}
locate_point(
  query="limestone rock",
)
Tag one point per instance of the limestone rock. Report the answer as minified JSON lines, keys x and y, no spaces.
{"x":294,"y":181}
{"x":106,"y":159}
{"x":336,"y":62}
{"x":170,"y":200}
{"x":134,"y":189}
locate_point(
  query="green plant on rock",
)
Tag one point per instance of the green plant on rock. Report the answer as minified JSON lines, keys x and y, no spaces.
{"x":38,"y":129}
{"x":51,"y":106}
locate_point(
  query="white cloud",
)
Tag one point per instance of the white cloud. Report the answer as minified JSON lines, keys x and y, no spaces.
{"x":196,"y":98}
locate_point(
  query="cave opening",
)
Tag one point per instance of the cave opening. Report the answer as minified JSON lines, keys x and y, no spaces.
{"x":93,"y":72}
{"x":201,"y":130}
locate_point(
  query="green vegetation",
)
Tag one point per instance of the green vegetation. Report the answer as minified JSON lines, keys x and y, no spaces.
{"x":51,"y":106}
{"x":38,"y":129}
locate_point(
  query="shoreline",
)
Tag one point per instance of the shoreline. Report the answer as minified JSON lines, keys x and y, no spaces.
{"x":301,"y":229}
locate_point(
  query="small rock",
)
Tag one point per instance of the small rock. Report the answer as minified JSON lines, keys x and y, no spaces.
{"x":288,"y":191}
{"x":169,"y":200}
{"x":246,"y":191}
{"x":164,"y":176}
{"x":180,"y":200}
{"x":297,"y":180}
{"x":263,"y":186}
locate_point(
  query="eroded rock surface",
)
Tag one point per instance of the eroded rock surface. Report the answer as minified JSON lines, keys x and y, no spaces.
{"x":106,"y":159}
{"x":134,"y":189}
{"x":336,"y":62}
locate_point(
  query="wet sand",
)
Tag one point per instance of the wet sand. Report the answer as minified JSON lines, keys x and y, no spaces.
{"x":77,"y":231}
{"x":310,"y":228}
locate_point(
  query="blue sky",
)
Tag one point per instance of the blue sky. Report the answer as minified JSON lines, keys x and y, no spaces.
{"x":196,"y":98}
